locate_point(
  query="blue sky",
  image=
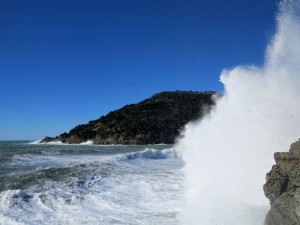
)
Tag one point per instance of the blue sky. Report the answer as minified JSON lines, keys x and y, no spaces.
{"x":63,"y":63}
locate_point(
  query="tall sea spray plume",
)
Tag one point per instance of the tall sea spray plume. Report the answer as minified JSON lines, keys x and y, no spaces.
{"x":228,"y":153}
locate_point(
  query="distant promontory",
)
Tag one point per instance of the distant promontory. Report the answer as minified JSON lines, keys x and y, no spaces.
{"x":156,"y":120}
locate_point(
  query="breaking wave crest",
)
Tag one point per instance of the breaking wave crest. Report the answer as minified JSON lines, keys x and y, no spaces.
{"x":141,"y":187}
{"x":89,"y":142}
{"x":154,"y":154}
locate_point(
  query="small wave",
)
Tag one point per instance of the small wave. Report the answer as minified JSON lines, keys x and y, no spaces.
{"x":89,"y":142}
{"x":35,"y":142}
{"x":154,"y":154}
{"x":47,"y":143}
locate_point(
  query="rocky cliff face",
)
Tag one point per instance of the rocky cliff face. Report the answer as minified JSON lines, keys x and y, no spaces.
{"x":158,"y":119}
{"x":283,"y":188}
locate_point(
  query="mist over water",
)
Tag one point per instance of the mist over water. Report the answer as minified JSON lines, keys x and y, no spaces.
{"x":228,"y":153}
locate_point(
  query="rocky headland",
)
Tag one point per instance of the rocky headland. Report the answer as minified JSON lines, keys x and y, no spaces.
{"x":156,"y":120}
{"x":282,"y":188}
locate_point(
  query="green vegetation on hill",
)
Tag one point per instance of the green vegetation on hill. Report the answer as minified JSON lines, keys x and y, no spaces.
{"x":155,"y":120}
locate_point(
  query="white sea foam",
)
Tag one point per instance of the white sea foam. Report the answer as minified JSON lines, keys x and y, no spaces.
{"x":47,"y":143}
{"x":151,"y":153}
{"x":117,"y":191}
{"x":89,"y":142}
{"x":229,"y":152}
{"x":35,"y":142}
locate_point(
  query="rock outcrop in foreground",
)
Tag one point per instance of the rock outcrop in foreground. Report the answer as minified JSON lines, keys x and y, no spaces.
{"x":156,"y":120}
{"x":283,"y":188}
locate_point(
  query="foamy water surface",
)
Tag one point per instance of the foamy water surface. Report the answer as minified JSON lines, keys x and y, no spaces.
{"x":77,"y":184}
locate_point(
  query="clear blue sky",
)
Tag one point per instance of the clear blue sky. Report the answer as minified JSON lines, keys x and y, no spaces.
{"x":63,"y":63}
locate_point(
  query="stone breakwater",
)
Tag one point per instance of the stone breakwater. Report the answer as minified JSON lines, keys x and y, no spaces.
{"x":282,"y":188}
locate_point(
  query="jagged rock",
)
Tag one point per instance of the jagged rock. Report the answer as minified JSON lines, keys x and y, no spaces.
{"x":282,"y":188}
{"x":156,"y":120}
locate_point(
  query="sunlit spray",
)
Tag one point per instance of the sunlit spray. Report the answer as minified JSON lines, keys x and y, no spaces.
{"x":228,"y":153}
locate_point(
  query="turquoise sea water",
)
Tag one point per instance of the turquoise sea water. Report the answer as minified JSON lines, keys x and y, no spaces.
{"x":88,"y":184}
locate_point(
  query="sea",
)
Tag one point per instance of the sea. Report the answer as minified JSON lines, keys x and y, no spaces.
{"x":90,"y":184}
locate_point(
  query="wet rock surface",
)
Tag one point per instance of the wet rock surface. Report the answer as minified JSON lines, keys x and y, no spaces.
{"x":282,"y":188}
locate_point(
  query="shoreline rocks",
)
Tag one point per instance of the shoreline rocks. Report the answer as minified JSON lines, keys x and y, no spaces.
{"x":282,"y":188}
